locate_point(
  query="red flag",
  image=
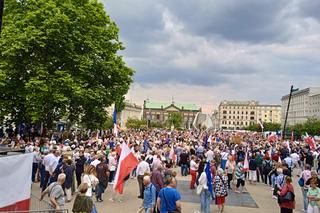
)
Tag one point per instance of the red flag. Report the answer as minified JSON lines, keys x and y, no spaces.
{"x":127,"y":163}
{"x":272,"y":138}
{"x":310,"y":141}
{"x":172,"y":156}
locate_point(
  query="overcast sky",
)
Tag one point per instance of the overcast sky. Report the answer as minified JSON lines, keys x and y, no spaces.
{"x":205,"y":51}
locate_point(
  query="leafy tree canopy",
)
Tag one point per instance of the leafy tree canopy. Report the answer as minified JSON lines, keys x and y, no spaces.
{"x":58,"y":59}
{"x":175,"y":119}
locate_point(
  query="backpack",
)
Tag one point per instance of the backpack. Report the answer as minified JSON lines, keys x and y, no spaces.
{"x":149,"y":160}
{"x":267,"y":166}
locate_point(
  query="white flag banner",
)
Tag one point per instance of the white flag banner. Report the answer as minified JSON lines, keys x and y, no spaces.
{"x":15,"y":179}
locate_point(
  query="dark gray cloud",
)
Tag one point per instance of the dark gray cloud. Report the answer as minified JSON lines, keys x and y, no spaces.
{"x":246,"y":20}
{"x":239,"y":48}
{"x":310,"y":8}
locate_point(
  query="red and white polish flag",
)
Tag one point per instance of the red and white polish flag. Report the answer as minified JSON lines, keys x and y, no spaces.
{"x":15,"y":179}
{"x":172,"y":155}
{"x":127,"y":162}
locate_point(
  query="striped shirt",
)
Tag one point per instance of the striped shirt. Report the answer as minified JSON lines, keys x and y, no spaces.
{"x":239,"y":171}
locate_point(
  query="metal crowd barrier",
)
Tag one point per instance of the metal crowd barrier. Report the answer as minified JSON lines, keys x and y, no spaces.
{"x":37,"y":206}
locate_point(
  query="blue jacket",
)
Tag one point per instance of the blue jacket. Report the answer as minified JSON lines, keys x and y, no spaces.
{"x":149,"y":198}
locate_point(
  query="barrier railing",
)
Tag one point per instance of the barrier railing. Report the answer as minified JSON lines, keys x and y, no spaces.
{"x":37,"y":206}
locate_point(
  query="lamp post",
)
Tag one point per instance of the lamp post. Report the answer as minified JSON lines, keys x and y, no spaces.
{"x":285,"y":121}
{"x":1,"y":13}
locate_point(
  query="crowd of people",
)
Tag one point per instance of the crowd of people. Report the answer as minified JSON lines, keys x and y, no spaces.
{"x":218,"y":163}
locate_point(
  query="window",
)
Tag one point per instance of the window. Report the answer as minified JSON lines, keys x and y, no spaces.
{"x":158,"y":117}
{"x":251,"y":118}
{"x":252,"y":113}
{"x":224,"y":117}
{"x":224,"y":112}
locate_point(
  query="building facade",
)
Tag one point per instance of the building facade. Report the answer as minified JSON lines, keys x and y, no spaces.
{"x":304,"y":104}
{"x":236,"y":115}
{"x":269,"y":113}
{"x":159,"y":112}
{"x":130,"y":110}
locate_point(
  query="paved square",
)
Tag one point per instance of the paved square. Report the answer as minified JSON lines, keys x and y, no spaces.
{"x":233,"y":199}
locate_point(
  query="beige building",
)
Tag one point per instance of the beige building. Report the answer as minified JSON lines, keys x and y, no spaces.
{"x":159,"y":112}
{"x":130,"y":110}
{"x":236,"y":115}
{"x":269,"y":113}
{"x":304,"y":104}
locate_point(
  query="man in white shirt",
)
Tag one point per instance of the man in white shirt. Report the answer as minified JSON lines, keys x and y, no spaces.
{"x":50,"y":162}
{"x":142,"y":168}
{"x":295,"y":159}
{"x":209,"y":155}
{"x":224,"y":159}
{"x":95,"y":161}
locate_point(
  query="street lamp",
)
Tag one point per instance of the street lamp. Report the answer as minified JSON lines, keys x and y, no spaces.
{"x":285,"y":121}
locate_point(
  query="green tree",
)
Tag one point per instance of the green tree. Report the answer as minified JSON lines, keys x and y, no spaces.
{"x":58,"y":59}
{"x":136,"y":123}
{"x":272,"y":126}
{"x":175,"y":119}
{"x":311,"y":126}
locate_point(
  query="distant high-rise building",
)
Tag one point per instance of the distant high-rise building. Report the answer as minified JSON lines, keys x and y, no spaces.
{"x":304,"y":104}
{"x":236,"y":115}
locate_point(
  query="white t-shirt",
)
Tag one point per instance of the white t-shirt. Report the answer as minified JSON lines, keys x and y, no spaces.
{"x":91,"y":180}
{"x":295,"y":157}
{"x":210,"y":155}
{"x":224,"y":155}
{"x":95,"y":162}
{"x":193,"y":165}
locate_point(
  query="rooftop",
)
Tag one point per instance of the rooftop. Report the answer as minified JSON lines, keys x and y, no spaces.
{"x":311,"y":90}
{"x":244,"y":103}
{"x":159,"y":105}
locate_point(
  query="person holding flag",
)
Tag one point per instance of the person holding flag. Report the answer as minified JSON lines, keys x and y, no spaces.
{"x":115,"y":126}
{"x":127,"y":162}
{"x":204,"y":189}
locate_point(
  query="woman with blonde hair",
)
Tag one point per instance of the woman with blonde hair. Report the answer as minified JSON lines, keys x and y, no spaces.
{"x":90,"y":177}
{"x":230,"y":168}
{"x":82,"y":203}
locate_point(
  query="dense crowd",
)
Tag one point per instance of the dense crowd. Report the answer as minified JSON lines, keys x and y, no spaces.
{"x":216,"y":161}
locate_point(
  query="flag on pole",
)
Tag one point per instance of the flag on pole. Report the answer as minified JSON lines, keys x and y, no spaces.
{"x":209,"y":178}
{"x":246,"y":163}
{"x":210,"y":140}
{"x":310,"y":141}
{"x":115,"y":127}
{"x":172,"y":155}
{"x":127,"y":163}
{"x":272,"y":138}
{"x":15,"y":179}
{"x":261,"y":125}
